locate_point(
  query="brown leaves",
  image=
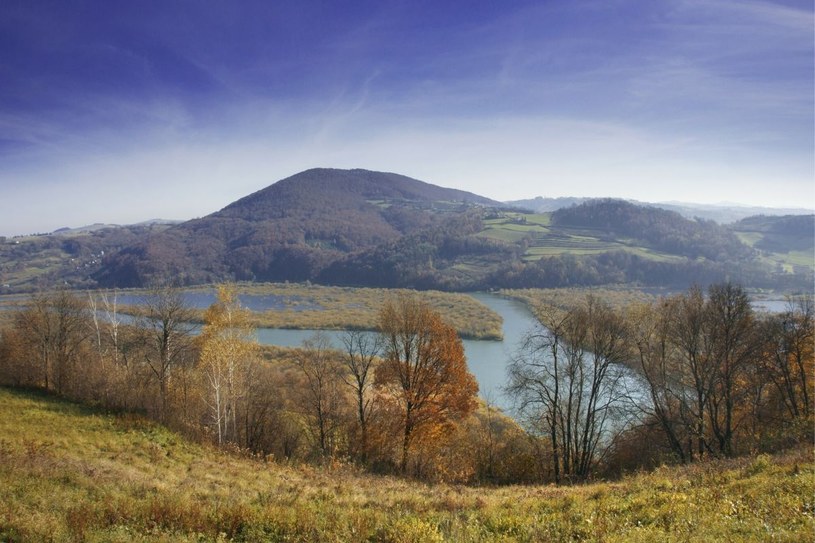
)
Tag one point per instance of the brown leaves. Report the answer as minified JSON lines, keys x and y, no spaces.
{"x":424,"y":368}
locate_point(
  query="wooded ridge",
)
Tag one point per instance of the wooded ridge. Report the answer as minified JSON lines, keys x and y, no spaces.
{"x":365,"y":228}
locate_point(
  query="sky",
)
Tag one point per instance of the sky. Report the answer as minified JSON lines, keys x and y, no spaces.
{"x":120,"y":111}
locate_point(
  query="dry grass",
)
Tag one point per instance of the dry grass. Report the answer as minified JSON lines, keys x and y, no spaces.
{"x":567,"y":298}
{"x":300,"y":306}
{"x":69,"y":473}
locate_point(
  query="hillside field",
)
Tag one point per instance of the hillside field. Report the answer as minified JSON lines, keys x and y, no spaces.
{"x":71,"y":473}
{"x":546,"y":240}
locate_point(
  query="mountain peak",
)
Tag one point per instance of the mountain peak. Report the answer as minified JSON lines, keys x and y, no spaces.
{"x":339,"y":188}
{"x":294,"y":227}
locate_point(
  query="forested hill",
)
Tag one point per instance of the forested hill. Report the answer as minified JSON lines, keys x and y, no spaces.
{"x":327,"y":189}
{"x":290,"y":230}
{"x":793,"y":235}
{"x":793,"y":225}
{"x":721,"y":213}
{"x":365,"y":228}
{"x":655,"y":228}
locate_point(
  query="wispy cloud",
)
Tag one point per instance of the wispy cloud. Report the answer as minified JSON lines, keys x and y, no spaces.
{"x":183,"y":111}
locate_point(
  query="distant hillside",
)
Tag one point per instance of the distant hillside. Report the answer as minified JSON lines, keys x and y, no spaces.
{"x":290,"y":230}
{"x":66,"y":257}
{"x":68,"y":231}
{"x":721,"y":213}
{"x":543,"y":205}
{"x":364,"y":228}
{"x":789,"y":225}
{"x":787,"y":242}
{"x":658,"y":229}
{"x":726,"y":213}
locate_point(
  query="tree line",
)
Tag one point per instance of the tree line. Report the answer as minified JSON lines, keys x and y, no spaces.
{"x":657,"y":228}
{"x":692,"y":376}
{"x":397,"y":401}
{"x":598,"y":390}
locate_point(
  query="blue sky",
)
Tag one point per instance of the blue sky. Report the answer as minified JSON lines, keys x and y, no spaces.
{"x":124,"y":111}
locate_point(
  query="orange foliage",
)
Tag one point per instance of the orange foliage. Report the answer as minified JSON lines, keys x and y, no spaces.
{"x":424,"y":369}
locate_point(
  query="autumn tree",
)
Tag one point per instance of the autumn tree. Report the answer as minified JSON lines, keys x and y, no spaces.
{"x":424,"y":369}
{"x":165,"y":337}
{"x":319,"y":364}
{"x":361,"y":350}
{"x":789,"y":362}
{"x":228,"y":358}
{"x":717,"y":373}
{"x":569,"y":380}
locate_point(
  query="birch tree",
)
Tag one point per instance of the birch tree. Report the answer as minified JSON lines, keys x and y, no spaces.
{"x":106,"y":327}
{"x":229,"y":352}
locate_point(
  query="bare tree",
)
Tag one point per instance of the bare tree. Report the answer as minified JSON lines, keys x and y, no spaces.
{"x":568,"y":378}
{"x":319,"y":364}
{"x":732,"y":333}
{"x":54,"y":329}
{"x":166,"y":337}
{"x":697,"y":373}
{"x":360,"y":354}
{"x":658,"y":358}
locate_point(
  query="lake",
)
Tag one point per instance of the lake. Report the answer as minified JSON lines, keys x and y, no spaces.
{"x":487,"y":359}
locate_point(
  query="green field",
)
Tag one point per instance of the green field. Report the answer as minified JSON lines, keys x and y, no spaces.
{"x":513,"y":227}
{"x":544,"y":240}
{"x":71,"y":473}
{"x":786,"y":261}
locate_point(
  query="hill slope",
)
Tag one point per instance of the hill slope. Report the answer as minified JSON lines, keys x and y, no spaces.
{"x":655,"y":228}
{"x":721,"y":213}
{"x":69,"y":473}
{"x":787,"y":242}
{"x":290,"y":230}
{"x":65,"y":257}
{"x":374,"y":229}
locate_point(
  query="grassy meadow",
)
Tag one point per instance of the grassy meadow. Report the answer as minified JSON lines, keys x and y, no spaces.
{"x":566,"y":298}
{"x":790,"y":252}
{"x":70,"y":473}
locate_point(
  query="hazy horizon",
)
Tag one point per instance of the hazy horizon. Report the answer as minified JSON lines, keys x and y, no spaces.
{"x":122,"y":113}
{"x":722,"y":205}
